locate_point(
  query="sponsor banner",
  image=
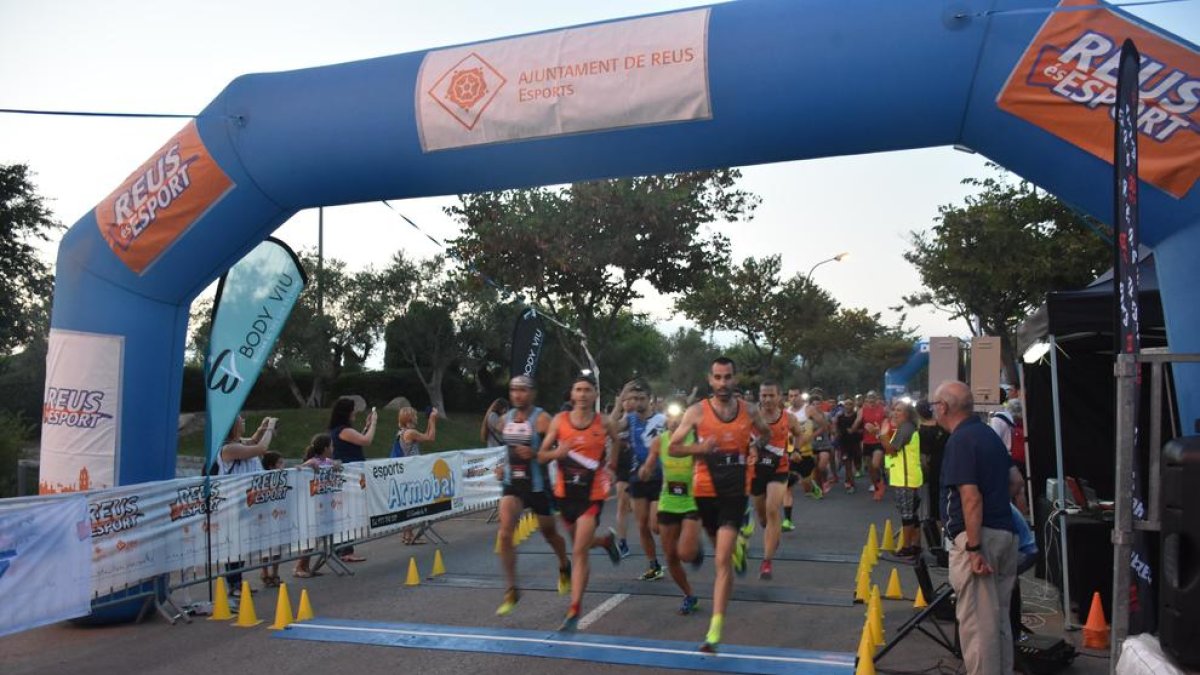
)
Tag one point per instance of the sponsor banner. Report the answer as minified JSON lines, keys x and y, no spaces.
{"x":268,"y":512}
{"x":529,"y":334}
{"x":192,"y":532}
{"x":480,"y":488}
{"x":81,"y":417}
{"x":1066,"y":83}
{"x":130,"y":530}
{"x":44,"y":563}
{"x":323,"y":508}
{"x":638,"y":72}
{"x":161,"y":199}
{"x":254,"y":299}
{"x":410,"y":490}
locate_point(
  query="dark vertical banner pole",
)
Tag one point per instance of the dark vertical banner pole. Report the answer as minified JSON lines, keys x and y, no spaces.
{"x":1133,"y":602}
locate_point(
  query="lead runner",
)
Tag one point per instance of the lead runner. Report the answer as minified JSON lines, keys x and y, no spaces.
{"x":723,"y":426}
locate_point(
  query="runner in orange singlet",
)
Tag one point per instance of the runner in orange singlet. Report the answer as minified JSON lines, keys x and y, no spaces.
{"x":723,"y":427}
{"x":769,"y":473}
{"x":577,"y":442}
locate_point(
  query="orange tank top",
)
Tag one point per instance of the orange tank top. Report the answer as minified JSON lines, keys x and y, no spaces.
{"x":581,"y":474}
{"x":774,"y":458}
{"x":723,"y":471}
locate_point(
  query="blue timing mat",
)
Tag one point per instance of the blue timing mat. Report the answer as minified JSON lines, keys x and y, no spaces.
{"x":575,"y":646}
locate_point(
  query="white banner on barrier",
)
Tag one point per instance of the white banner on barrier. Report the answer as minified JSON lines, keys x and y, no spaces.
{"x":637,"y":72}
{"x":81,"y":412}
{"x":405,"y":491}
{"x":188,"y":547}
{"x":130,"y":530}
{"x":44,"y":563}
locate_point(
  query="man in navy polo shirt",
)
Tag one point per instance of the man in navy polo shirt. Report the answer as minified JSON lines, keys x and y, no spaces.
{"x":978,"y":519}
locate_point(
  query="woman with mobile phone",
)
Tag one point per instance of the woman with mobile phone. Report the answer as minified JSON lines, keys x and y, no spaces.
{"x":348,"y":444}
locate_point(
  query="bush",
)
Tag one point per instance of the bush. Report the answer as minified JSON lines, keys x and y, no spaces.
{"x":14,"y":433}
{"x":23,"y":381}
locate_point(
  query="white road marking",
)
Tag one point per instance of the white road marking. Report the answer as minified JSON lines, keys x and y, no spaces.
{"x":602,"y":609}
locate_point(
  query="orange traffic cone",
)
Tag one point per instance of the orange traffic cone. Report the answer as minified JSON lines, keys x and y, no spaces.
{"x":1095,"y":631}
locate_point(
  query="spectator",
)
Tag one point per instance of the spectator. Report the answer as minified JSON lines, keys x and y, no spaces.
{"x":933,"y":450}
{"x":978,"y":520}
{"x":271,"y":461}
{"x":348,"y":444}
{"x":1009,"y":426}
{"x":318,"y":455}
{"x":240,"y":455}
{"x":491,"y":420}
{"x":408,"y":440}
{"x":902,"y":445}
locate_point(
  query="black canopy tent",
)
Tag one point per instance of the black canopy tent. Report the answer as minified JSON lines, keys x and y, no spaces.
{"x":1078,"y":328}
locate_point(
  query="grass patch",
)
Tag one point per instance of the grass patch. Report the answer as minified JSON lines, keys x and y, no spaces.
{"x":297,"y":426}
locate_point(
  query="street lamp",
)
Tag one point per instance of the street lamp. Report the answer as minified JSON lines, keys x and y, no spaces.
{"x":837,"y":258}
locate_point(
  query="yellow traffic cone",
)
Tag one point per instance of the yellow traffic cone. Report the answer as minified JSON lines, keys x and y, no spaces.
{"x":862,"y":587}
{"x":247,"y":617}
{"x":872,"y":541}
{"x":875,"y":629}
{"x":414,"y":577}
{"x":439,"y":568}
{"x":920,"y":603}
{"x":305,"y":611}
{"x":876,"y":616}
{"x":283,"y":609}
{"x":866,"y":654}
{"x":889,"y":542}
{"x":220,"y":609}
{"x":867,"y":557}
{"x":893,"y":587}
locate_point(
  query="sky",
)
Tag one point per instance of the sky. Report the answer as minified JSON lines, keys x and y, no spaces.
{"x":125,"y":56}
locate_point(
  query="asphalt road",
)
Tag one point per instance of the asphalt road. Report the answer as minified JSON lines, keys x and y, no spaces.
{"x":808,"y":605}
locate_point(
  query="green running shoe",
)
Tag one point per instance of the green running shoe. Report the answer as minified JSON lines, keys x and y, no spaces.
{"x":511,"y":598}
{"x":788,"y":525}
{"x":739,"y":556}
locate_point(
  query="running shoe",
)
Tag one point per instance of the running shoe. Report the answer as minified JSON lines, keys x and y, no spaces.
{"x":787,"y":525}
{"x":698,"y":561}
{"x":570,"y":624}
{"x":817,"y":492}
{"x":748,"y":529}
{"x":690,"y":602}
{"x":654,"y":573}
{"x":610,"y":546}
{"x":564,"y":580}
{"x":829,"y":485}
{"x":511,"y":597}
{"x":765,"y":570}
{"x":623,"y":547}
{"x":739,"y":556}
{"x":858,"y":474}
{"x":871,"y":487}
{"x":709,"y":648}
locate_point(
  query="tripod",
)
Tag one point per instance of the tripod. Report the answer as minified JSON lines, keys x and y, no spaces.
{"x":942,"y":601}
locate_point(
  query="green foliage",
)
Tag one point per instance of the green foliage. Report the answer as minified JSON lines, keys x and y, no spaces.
{"x":15,"y":432}
{"x":298,"y":425}
{"x":579,"y":251}
{"x":776,"y":317}
{"x":992,"y":260}
{"x":23,"y":380}
{"x":27,"y":282}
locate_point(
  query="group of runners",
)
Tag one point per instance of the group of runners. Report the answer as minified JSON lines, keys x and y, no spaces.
{"x":718,"y":465}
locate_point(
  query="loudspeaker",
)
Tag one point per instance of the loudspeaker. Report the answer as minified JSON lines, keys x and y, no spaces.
{"x":1179,"y":581}
{"x":985,"y":369}
{"x":943,"y":361}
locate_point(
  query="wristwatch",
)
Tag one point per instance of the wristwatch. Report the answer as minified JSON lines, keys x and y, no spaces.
{"x":974,"y":549}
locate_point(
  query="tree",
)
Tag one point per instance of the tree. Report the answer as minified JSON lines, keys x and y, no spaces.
{"x":448,"y":322}
{"x":849,"y":331}
{"x":689,"y":356}
{"x":27,"y":283}
{"x":579,"y":251}
{"x":773,"y":315}
{"x":992,"y":260}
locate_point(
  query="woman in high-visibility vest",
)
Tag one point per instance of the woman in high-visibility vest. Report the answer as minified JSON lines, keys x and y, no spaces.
{"x":902,"y":445}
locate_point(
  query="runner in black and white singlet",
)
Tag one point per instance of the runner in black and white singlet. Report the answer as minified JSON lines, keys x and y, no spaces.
{"x":526,"y":486}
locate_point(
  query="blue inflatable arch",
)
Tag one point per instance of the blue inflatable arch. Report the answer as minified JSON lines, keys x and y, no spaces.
{"x":778,"y":80}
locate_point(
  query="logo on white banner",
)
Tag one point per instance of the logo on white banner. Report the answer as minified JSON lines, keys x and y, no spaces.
{"x":622,"y":74}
